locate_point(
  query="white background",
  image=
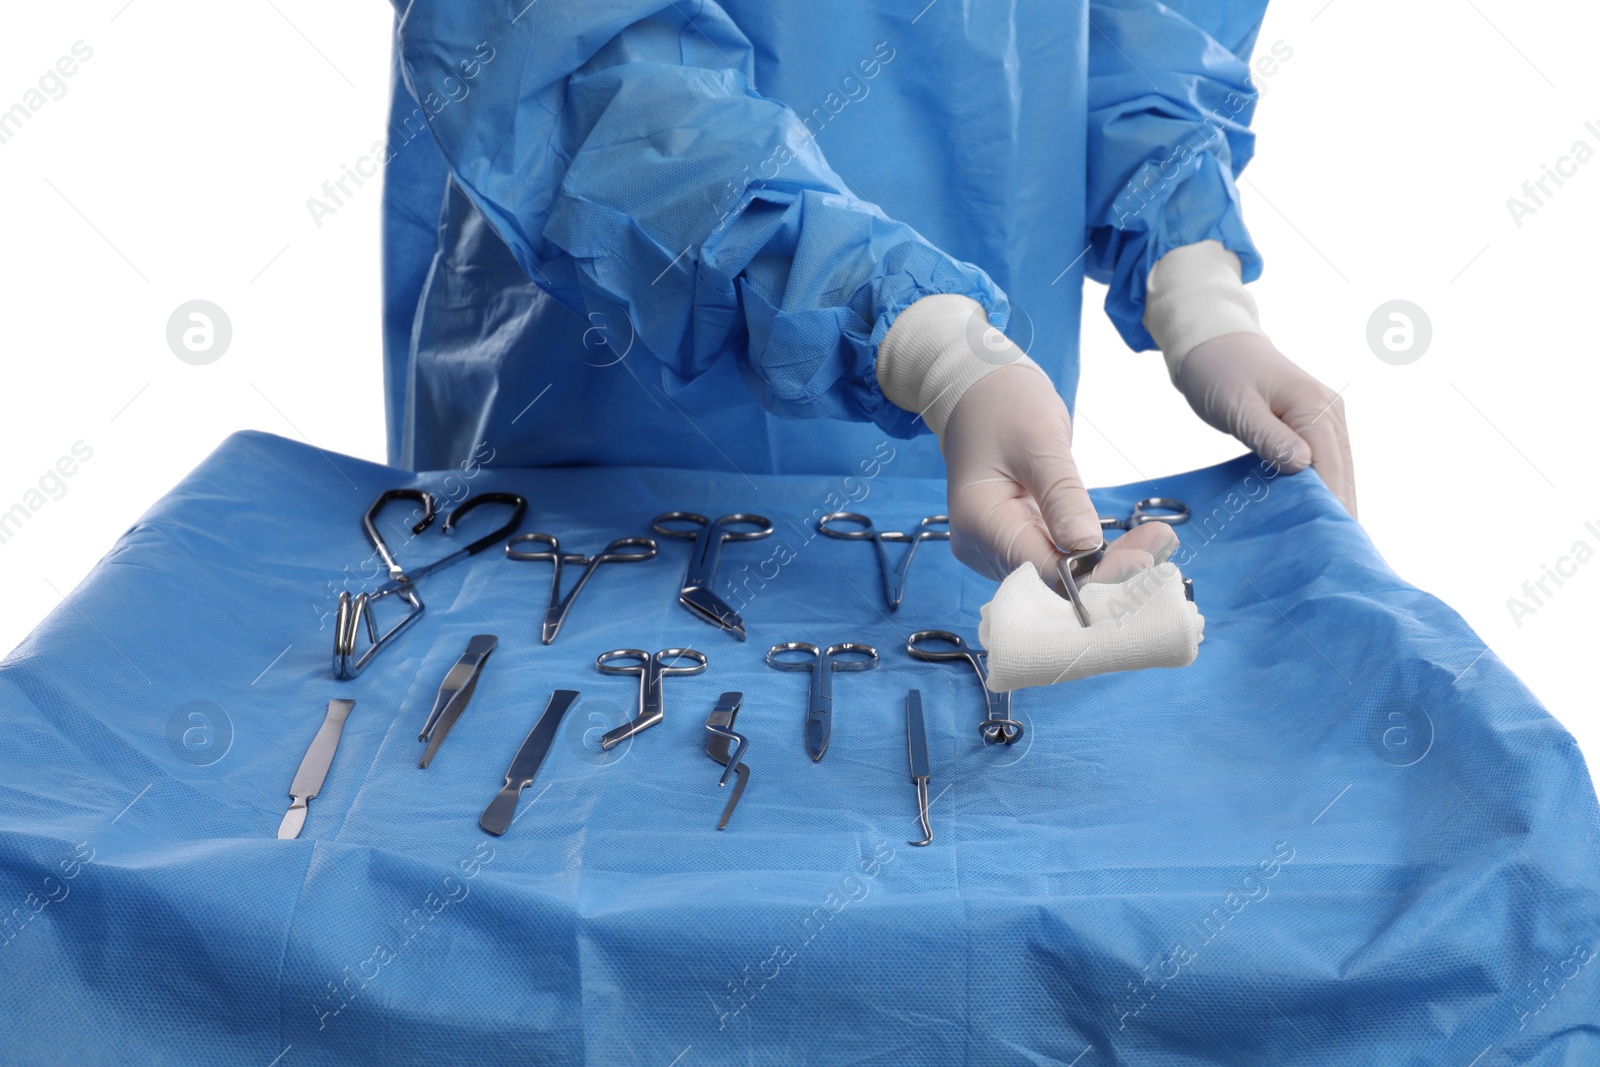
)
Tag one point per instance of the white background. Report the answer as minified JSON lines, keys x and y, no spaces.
{"x":178,"y":163}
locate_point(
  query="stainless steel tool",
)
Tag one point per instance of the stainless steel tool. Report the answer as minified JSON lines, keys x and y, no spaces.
{"x":496,"y":818}
{"x":728,"y":748}
{"x":917,"y":745}
{"x":314,"y":768}
{"x":454,"y":694}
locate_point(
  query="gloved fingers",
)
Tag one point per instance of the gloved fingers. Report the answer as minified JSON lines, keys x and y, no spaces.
{"x":1052,"y":477}
{"x":1139,"y":549}
{"x":1317,"y":413}
{"x":1268,"y":436}
{"x":995,"y":526}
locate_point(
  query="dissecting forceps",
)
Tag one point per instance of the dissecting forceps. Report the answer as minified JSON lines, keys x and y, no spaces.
{"x":998,"y":727}
{"x":622,"y":550}
{"x":894,"y":578}
{"x":356,"y":612}
{"x":709,"y":536}
{"x":821,"y":662}
{"x":454,"y":694}
{"x":650,"y":669}
{"x":728,"y":749}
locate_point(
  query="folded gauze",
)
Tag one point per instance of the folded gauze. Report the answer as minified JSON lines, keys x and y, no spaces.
{"x":1034,"y":638}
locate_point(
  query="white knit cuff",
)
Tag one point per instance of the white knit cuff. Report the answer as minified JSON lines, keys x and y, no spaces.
{"x":1195,"y":294}
{"x":934,"y":352}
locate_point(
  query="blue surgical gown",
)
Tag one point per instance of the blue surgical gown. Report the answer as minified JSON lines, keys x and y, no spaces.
{"x":673,"y":233}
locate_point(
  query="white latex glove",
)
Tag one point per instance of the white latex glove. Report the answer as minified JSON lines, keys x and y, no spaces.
{"x":1014,"y":492}
{"x":1204,"y":320}
{"x":1242,"y":385}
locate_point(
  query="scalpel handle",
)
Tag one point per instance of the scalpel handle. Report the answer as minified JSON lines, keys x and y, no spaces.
{"x":319,"y":757}
{"x":496,"y":818}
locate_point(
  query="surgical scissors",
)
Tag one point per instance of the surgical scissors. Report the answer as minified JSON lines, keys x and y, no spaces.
{"x":356,"y":612}
{"x":821,"y":662}
{"x":650,"y":669}
{"x":618,"y":551}
{"x":695,"y":593}
{"x":998,"y":727}
{"x":1150,"y":509}
{"x":894,"y":578}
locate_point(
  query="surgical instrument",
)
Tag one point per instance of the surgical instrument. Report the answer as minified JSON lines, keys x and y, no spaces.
{"x":496,"y":818}
{"x":821,"y":662}
{"x":356,"y":612}
{"x":314,"y":768}
{"x":455,"y":692}
{"x":719,"y":724}
{"x":695,"y":593}
{"x":650,"y":669}
{"x":1078,"y":565}
{"x":1150,"y":509}
{"x":622,"y":550}
{"x":998,"y":727}
{"x":917,"y":744}
{"x":894,"y":578}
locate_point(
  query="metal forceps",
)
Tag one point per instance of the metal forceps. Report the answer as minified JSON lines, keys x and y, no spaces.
{"x":821,"y":662}
{"x":708,"y":536}
{"x":998,"y":727}
{"x":650,"y":669}
{"x":728,"y":748}
{"x":1079,"y":564}
{"x":894,"y":578}
{"x":622,"y":550}
{"x":355,"y":613}
{"x":1150,"y":509}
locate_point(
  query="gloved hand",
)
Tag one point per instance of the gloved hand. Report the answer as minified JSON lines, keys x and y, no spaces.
{"x":1200,"y":315}
{"x":1242,"y":385}
{"x":1014,"y":492}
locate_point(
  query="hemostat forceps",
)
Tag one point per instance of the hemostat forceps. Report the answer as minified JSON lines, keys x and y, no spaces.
{"x":894,"y":578}
{"x":821,"y":662}
{"x":355,"y":613}
{"x":650,"y":669}
{"x":695,"y":593}
{"x":998,"y":727}
{"x":1150,"y":509}
{"x":719,"y":724}
{"x":622,"y":550}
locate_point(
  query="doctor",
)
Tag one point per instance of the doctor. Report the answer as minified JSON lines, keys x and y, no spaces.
{"x":787,"y":238}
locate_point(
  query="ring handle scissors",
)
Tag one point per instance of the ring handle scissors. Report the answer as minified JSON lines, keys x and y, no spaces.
{"x":821,"y":662}
{"x":894,"y":578}
{"x":708,"y":536}
{"x":650,"y":669}
{"x":1150,"y":509}
{"x":622,"y":550}
{"x":355,"y":612}
{"x":942,"y":646}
